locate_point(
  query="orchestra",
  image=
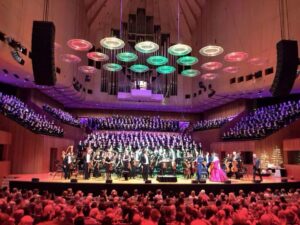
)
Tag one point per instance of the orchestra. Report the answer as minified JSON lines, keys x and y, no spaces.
{"x":144,"y":161}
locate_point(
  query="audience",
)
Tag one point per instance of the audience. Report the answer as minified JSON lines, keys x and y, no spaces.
{"x":61,"y":115}
{"x":17,"y":110}
{"x":263,"y":121}
{"x":144,"y":123}
{"x":211,"y":124}
{"x":263,"y":208}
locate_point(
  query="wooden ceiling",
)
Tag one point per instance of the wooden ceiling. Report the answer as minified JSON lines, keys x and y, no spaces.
{"x":103,"y":15}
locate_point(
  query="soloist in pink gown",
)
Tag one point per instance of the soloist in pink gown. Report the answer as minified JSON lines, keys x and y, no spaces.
{"x":216,"y":173}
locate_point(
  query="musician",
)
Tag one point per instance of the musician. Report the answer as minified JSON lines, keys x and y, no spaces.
{"x":256,"y":167}
{"x":208,"y":159}
{"x":109,"y":164}
{"x":87,"y":163}
{"x":126,"y":164}
{"x":200,"y":167}
{"x":236,"y":164}
{"x":119,"y":165}
{"x":97,"y":161}
{"x":66,"y":168}
{"x":145,"y":164}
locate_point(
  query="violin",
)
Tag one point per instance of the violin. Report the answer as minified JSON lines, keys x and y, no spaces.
{"x":234,"y":167}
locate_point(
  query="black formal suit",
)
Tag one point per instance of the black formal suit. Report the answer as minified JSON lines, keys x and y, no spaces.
{"x":87,"y":162}
{"x":66,"y":168}
{"x":145,"y":164}
{"x":256,"y":169}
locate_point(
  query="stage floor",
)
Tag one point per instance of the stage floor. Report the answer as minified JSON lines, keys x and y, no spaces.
{"x":52,"y":178}
{"x":56,"y":184}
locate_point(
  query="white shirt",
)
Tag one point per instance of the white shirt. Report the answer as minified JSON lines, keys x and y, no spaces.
{"x":88,"y":158}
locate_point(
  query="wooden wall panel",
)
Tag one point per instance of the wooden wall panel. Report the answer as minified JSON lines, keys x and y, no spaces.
{"x":229,"y":109}
{"x":29,"y":152}
{"x":291,"y":144}
{"x":207,"y":137}
{"x":5,"y":137}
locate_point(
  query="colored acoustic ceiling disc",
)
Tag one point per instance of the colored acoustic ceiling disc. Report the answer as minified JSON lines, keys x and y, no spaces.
{"x":127,"y":57}
{"x":236,"y":56}
{"x":257,"y":61}
{"x":179,"y":50}
{"x":190,"y":73}
{"x":165,"y":69}
{"x":112,"y":43}
{"x":146,"y":47}
{"x":210,"y":66}
{"x":209,"y":76}
{"x":211,"y":50}
{"x":231,"y":69}
{"x":139,"y":68}
{"x":157,"y":60}
{"x":87,"y":69}
{"x":187,"y":60}
{"x":112,"y":67}
{"x":70,"y":58}
{"x":79,"y":44}
{"x":97,"y":56}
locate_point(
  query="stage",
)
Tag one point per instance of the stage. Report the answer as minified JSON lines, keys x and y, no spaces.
{"x":56,"y":184}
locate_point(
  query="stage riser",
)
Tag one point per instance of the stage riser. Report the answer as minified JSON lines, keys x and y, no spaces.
{"x":58,"y":188}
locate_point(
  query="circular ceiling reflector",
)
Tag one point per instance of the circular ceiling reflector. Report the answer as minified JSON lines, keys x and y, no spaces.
{"x":97,"y":56}
{"x":146,"y":47}
{"x":179,"y":50}
{"x":112,"y":67}
{"x":231,"y":69}
{"x":112,"y":43}
{"x":165,"y":69}
{"x":157,"y":60}
{"x":127,"y":57}
{"x":211,"y":50}
{"x":236,"y":57}
{"x":187,"y":60}
{"x":87,"y":69}
{"x":209,"y":76}
{"x":70,"y":58}
{"x":210,"y":66}
{"x":139,"y":68}
{"x":79,"y":44}
{"x":257,"y":61}
{"x":190,"y":73}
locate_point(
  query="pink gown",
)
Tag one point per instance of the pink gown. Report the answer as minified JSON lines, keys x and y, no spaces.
{"x":216,"y":173}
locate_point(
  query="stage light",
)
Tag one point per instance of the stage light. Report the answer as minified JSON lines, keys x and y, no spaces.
{"x":17,"y":57}
{"x":146,"y":47}
{"x":112,"y":43}
{"x":187,"y":60}
{"x":179,"y":50}
{"x":165,"y":69}
{"x":157,"y":60}
{"x":211,"y":50}
{"x":139,"y":68}
{"x":127,"y":57}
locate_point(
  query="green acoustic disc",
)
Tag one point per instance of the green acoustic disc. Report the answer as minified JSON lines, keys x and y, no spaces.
{"x":157,"y":60}
{"x":165,"y":69}
{"x":190,"y":73}
{"x":187,"y":60}
{"x":112,"y":67}
{"x":127,"y":57}
{"x":139,"y":68}
{"x":179,"y":50}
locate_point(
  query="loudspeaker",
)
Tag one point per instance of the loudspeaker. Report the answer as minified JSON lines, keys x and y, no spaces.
{"x":286,"y":69}
{"x":73,"y":180}
{"x":227,"y":182}
{"x":202,"y":181}
{"x":194,"y":182}
{"x":148,"y":182}
{"x":42,"y":53}
{"x":284,"y":180}
{"x":108,"y":181}
{"x":35,"y":180}
{"x":283,"y":173}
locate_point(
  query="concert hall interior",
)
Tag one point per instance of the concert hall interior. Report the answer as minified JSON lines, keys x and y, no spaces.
{"x":185,"y":103}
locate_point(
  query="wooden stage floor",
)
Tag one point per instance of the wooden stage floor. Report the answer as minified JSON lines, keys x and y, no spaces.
{"x":56,"y":184}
